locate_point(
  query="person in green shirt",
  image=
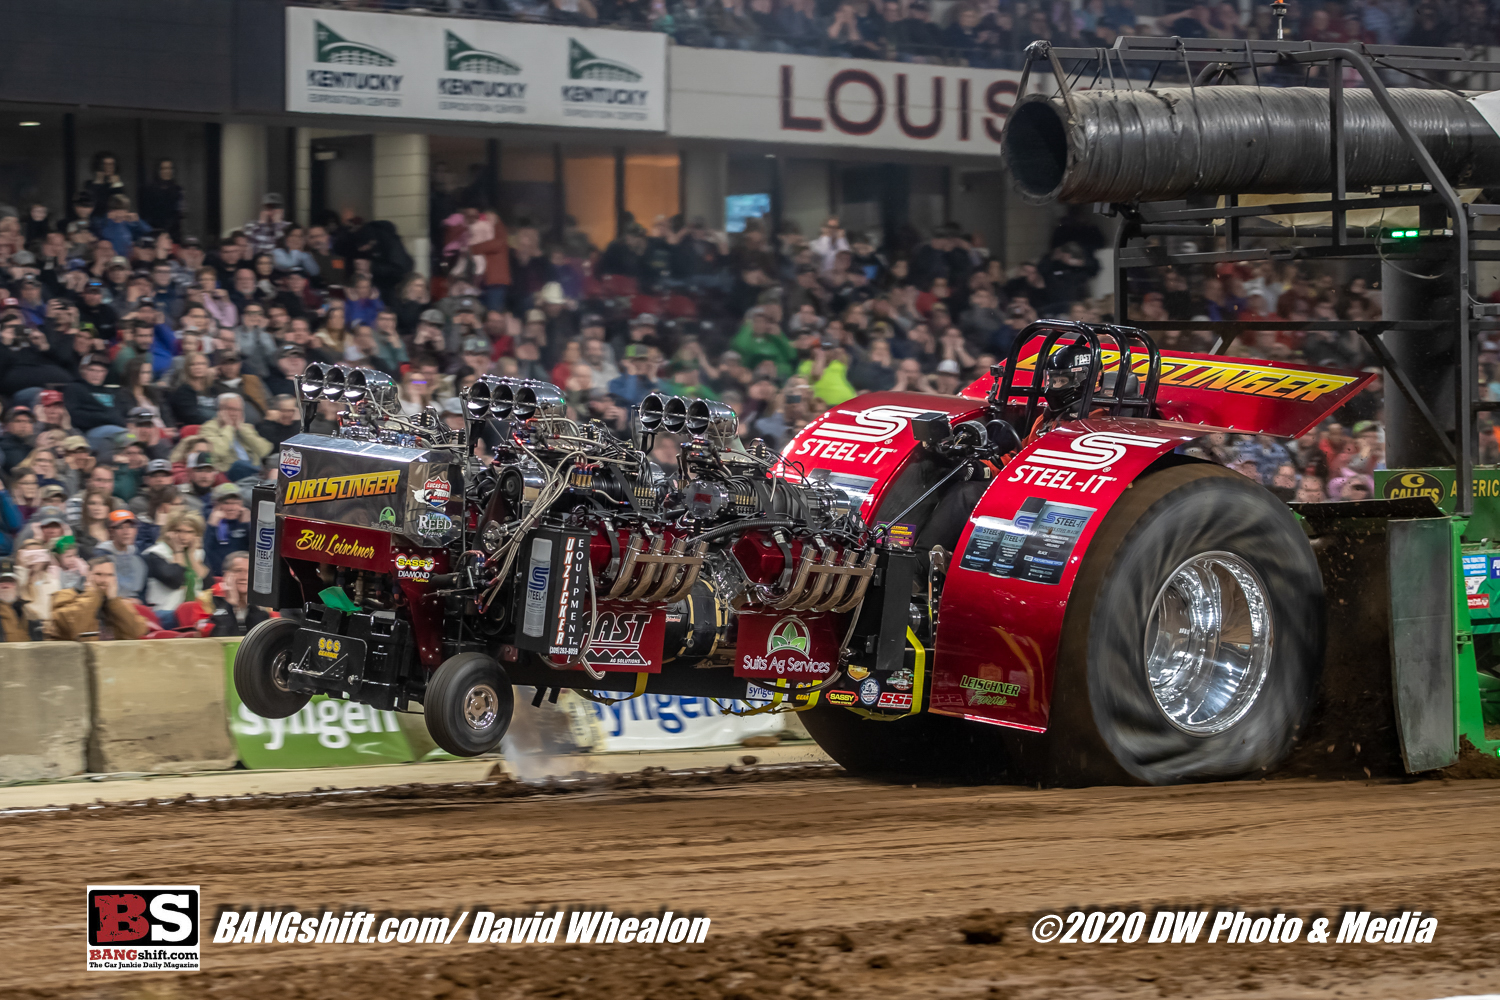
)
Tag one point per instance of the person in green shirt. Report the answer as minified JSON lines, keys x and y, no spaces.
{"x":685,"y":380}
{"x":759,"y":340}
{"x":827,"y":371}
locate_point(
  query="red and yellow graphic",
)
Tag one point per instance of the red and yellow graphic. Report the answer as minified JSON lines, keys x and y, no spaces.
{"x":368,"y":484}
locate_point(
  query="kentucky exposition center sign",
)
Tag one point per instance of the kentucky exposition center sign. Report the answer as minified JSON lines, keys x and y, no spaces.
{"x":399,"y":66}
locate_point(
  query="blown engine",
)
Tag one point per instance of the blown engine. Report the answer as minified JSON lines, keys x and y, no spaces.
{"x":564,"y":555}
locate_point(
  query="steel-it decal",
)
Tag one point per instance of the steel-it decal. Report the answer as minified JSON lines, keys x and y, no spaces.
{"x":1092,"y":452}
{"x":876,"y":425}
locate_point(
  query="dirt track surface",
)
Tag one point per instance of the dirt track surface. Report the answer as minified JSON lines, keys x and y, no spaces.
{"x":816,"y":887}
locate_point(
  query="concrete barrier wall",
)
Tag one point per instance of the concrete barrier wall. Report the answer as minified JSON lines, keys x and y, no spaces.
{"x":158,"y":705}
{"x":44,"y":710}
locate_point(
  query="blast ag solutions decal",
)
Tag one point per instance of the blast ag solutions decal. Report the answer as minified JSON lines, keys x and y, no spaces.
{"x":616,"y":643}
{"x":1035,"y":545}
{"x":291,"y":462}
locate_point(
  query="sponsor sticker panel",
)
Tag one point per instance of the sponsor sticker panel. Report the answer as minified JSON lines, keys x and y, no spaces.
{"x":392,"y":65}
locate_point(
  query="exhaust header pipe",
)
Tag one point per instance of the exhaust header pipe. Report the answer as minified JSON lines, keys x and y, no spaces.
{"x":1162,"y":145}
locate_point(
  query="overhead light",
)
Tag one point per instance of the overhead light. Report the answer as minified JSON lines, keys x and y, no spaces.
{"x":29,"y":124}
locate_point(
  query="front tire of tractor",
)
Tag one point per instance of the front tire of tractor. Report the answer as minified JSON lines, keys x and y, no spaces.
{"x":468,"y":705}
{"x":1193,"y":641}
{"x":260,"y":670}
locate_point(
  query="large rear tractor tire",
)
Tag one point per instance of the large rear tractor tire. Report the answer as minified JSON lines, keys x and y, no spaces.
{"x":260,"y":670}
{"x":468,"y":705}
{"x":1193,"y":641}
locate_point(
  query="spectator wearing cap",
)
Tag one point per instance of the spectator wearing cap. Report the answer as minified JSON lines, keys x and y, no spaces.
{"x":98,"y":612}
{"x":282,"y":420}
{"x":431,"y":333}
{"x":130,"y":568}
{"x":53,"y":411}
{"x":233,"y":614}
{"x":476,"y":353}
{"x":252,"y":389}
{"x":202,"y":477}
{"x":94,"y":311}
{"x":77,"y":462}
{"x":156,"y":480}
{"x":49,"y":526}
{"x":363,"y":303}
{"x":176,"y":571}
{"x":236,"y":448}
{"x":33,"y":300}
{"x":17,"y":623}
{"x":120,"y":226}
{"x":92,"y":404}
{"x":296,"y":295}
{"x":131,"y":460}
{"x":267,"y":229}
{"x":227,"y":527}
{"x":759,"y":340}
{"x":291,"y":361}
{"x":18,"y":438}
{"x":639,"y":380}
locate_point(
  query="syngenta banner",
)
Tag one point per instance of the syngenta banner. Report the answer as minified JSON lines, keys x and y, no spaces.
{"x":841,"y":102}
{"x":400,"y":66}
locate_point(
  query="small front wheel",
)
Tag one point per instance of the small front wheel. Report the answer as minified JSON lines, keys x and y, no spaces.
{"x":468,"y":705}
{"x":261,"y":666}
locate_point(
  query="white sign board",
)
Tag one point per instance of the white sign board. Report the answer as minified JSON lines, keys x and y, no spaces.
{"x":672,"y":722}
{"x":839,"y":102}
{"x":400,"y":66}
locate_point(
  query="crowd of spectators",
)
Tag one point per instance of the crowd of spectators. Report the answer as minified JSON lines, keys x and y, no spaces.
{"x":147,"y":379}
{"x":984,"y":33}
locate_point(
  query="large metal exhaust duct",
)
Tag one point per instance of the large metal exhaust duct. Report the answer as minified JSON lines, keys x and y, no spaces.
{"x":1162,"y":145}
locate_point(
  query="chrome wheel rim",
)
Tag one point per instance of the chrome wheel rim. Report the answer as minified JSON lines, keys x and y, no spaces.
{"x":1208,"y":643}
{"x":281,"y":671}
{"x":481,"y":706}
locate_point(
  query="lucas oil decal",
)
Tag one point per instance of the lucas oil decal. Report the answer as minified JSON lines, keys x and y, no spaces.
{"x":434,"y":493}
{"x":291,"y":462}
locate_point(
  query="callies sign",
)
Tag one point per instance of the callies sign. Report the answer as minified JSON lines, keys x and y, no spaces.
{"x":846,"y":102}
